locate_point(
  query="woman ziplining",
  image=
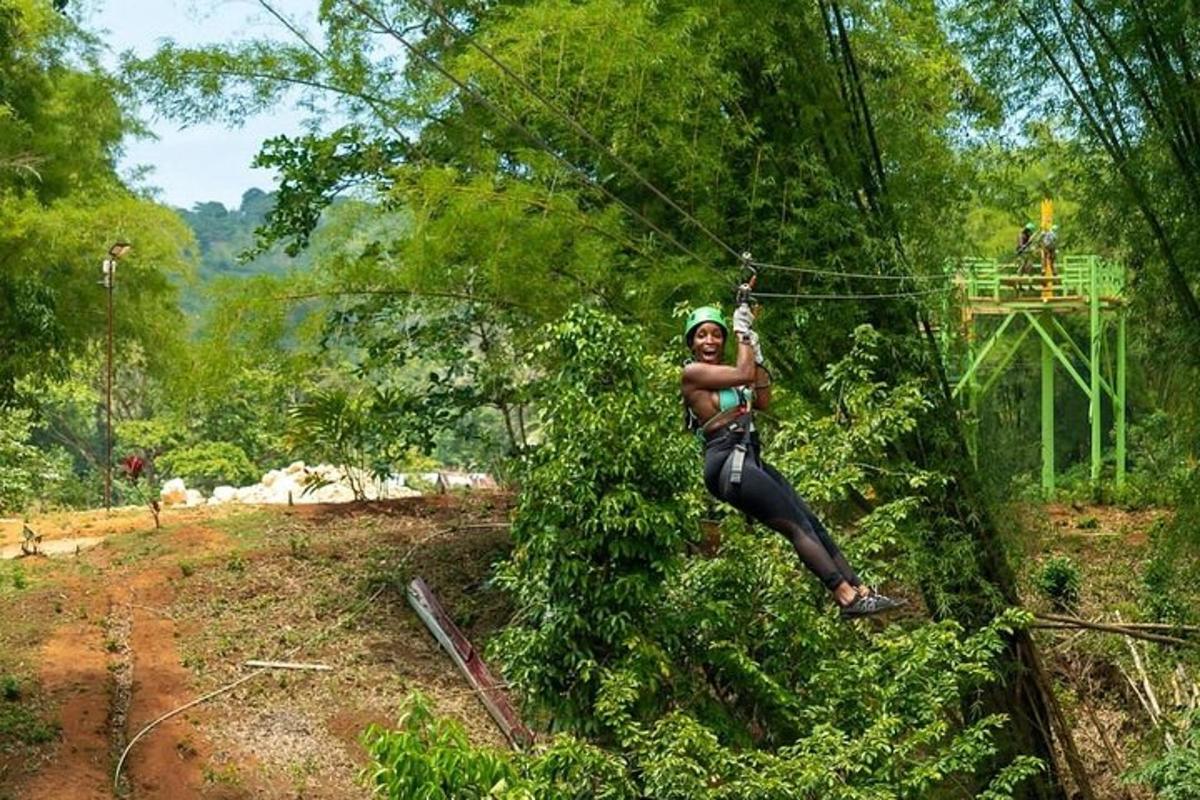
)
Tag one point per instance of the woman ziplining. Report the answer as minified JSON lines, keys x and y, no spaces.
{"x":720,"y":401}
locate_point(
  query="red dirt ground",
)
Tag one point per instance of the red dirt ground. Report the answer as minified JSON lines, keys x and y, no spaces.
{"x":115,"y":618}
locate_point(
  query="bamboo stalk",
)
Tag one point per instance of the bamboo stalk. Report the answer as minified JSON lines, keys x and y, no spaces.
{"x":1145,"y":676}
{"x":287,"y":665}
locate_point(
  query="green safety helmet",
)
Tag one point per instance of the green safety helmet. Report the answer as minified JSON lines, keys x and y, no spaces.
{"x":1029,"y":226}
{"x":700,"y":316}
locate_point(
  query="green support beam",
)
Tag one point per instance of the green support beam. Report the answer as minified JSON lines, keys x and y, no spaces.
{"x":1059,"y":354}
{"x":1078,"y":351}
{"x":1085,"y":284}
{"x":976,"y":360}
{"x":1094,"y":370}
{"x":1005,"y":362}
{"x":1047,"y":414}
{"x":1119,"y":408}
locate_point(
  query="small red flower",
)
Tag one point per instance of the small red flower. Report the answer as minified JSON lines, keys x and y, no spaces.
{"x":132,"y":466}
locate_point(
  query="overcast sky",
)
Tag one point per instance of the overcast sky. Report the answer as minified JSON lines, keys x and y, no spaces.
{"x":205,"y":162}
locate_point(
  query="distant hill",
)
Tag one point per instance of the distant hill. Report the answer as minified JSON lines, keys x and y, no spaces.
{"x":223,"y":234}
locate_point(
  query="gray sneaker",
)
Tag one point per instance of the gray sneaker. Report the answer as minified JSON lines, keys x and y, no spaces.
{"x":870,"y":604}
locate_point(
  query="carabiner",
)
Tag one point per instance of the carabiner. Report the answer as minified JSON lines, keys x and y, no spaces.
{"x":746,"y":286}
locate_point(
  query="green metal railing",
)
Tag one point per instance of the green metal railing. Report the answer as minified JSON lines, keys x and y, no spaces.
{"x":1002,"y":279}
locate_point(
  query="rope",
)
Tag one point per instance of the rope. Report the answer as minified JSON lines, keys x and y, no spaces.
{"x":587,"y":179}
{"x":855,"y":296}
{"x":839,"y":274}
{"x":579,"y":128}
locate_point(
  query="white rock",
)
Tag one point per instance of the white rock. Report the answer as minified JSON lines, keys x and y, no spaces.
{"x":295,"y":468}
{"x":482,"y":480}
{"x":194,"y":498}
{"x":333,"y":493}
{"x":452,"y":481}
{"x":252,"y":494}
{"x":223,"y":494}
{"x":174,"y":491}
{"x":271,"y":477}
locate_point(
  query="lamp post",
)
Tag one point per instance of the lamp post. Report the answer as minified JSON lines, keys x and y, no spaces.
{"x":108,"y":277}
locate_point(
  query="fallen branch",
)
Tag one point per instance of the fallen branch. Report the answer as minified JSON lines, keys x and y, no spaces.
{"x":1149,"y":687}
{"x":1074,"y":624}
{"x":1138,"y":626}
{"x":287,"y":665}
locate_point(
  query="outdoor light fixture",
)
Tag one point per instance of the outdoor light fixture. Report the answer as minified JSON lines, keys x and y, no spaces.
{"x":108,"y":267}
{"x":108,"y":276}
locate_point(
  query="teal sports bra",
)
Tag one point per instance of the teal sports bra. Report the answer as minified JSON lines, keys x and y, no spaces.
{"x":727,"y":399}
{"x":734,"y":396}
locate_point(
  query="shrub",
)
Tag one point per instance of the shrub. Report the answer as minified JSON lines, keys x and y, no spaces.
{"x":208,"y":464}
{"x":1173,"y":565}
{"x":1059,"y":579}
{"x":24,"y":469}
{"x":606,"y":504}
{"x":1175,"y":775}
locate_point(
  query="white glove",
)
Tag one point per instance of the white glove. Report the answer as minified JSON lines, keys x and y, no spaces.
{"x":758,"y":356}
{"x":743,"y":319}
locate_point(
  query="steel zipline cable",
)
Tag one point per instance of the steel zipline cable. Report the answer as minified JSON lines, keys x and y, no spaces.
{"x":514,"y":122}
{"x":587,"y":179}
{"x":579,"y":128}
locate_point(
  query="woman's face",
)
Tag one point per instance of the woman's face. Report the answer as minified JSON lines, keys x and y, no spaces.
{"x":708,"y":343}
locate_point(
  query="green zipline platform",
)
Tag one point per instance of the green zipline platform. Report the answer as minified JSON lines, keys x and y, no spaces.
{"x":1032,"y":305}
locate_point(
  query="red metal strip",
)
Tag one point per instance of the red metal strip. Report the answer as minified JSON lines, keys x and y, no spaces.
{"x":491,"y":691}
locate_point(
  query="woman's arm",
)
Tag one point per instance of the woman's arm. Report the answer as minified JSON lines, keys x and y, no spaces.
{"x":762,"y":388}
{"x":721,"y":376}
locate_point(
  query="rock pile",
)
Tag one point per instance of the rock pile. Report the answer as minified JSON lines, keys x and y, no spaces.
{"x":322,"y":483}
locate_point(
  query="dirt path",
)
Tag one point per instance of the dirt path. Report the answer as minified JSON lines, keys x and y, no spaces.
{"x":74,"y":673}
{"x":148,"y":621}
{"x":165,"y":765}
{"x":112,"y":668}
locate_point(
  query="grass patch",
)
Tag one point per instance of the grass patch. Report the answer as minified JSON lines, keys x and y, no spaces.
{"x":129,"y":548}
{"x":13,"y":578}
{"x":20,"y":724}
{"x":248,"y":530}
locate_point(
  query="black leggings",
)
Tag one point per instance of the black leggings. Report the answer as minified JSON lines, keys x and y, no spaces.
{"x":765,"y":495}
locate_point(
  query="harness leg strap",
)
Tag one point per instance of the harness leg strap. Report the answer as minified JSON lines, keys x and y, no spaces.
{"x":731,"y":472}
{"x":738,"y":459}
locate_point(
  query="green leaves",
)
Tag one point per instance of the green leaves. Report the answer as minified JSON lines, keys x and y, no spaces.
{"x":605,"y":507}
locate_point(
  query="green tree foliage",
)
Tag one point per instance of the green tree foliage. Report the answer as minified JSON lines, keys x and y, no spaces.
{"x":61,"y":205}
{"x":1114,"y":78}
{"x":1176,"y":774}
{"x":816,"y":135}
{"x":225,"y":239}
{"x":207,"y":464}
{"x":606,"y":504}
{"x":24,"y":469}
{"x":702,"y":678}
